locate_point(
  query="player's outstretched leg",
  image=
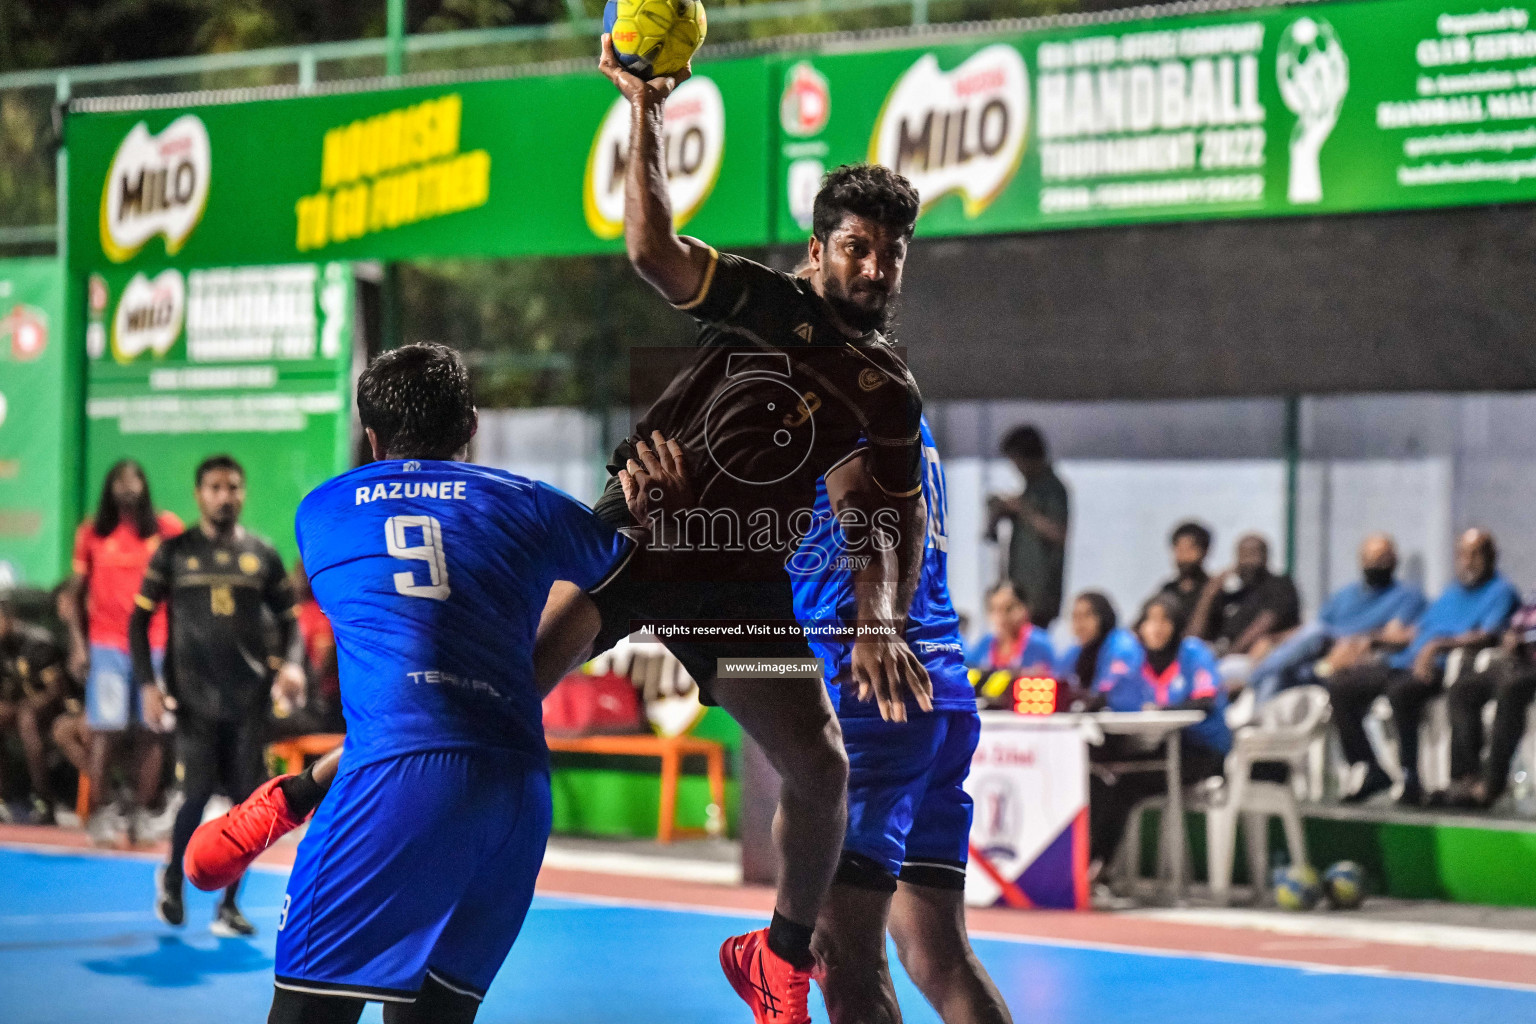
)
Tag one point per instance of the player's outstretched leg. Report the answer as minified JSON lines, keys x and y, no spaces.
{"x":793,"y":722}
{"x":850,"y":944}
{"x":928,"y":924}
{"x":220,"y":850}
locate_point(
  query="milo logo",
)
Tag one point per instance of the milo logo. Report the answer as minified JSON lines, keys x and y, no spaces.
{"x":957,"y":131}
{"x":149,"y":316}
{"x":156,"y":185}
{"x":693,"y":146}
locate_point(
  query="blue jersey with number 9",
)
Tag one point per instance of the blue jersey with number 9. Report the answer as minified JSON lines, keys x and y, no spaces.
{"x":433,"y":575}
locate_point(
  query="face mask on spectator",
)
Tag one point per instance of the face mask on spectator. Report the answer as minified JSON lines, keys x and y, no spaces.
{"x":1379,"y":577}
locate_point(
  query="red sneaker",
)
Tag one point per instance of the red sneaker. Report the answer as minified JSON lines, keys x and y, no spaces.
{"x":776,"y":990}
{"x":223,"y":848}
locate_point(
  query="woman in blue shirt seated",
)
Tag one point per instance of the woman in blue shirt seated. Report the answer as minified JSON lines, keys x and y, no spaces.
{"x":1014,"y":643}
{"x":1151,"y":668}
{"x":1013,"y":648}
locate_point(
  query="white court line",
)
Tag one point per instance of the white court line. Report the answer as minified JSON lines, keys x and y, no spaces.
{"x":102,"y":917}
{"x":1302,"y":966}
{"x":1338,"y":926}
{"x":613,"y":862}
{"x":49,"y":850}
{"x":1028,"y":940}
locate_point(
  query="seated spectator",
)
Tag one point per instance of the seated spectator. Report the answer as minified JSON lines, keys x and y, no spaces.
{"x":1103,"y":650}
{"x":1190,"y":542}
{"x":34,"y":689}
{"x":1245,"y":610}
{"x":1349,"y":626}
{"x":1468,"y":615}
{"x":1155,"y":667}
{"x":1015,"y":644}
{"x":1511,"y":683}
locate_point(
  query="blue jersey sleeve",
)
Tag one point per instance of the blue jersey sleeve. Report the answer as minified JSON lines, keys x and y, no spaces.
{"x":583,"y":549}
{"x":1203,"y":671}
{"x":1333,"y":609}
{"x":1039,"y":656}
{"x":1411,"y":605}
{"x":1500,"y":608}
{"x":1120,"y":679}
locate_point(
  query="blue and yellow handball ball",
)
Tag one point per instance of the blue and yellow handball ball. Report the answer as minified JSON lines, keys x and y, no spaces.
{"x":1344,"y":885}
{"x":1296,"y":888}
{"x":655,"y":37}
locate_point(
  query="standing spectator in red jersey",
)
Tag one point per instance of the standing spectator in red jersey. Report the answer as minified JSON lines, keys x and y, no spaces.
{"x":111,"y":553}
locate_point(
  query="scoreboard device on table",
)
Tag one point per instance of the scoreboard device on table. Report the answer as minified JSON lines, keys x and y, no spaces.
{"x":1026,"y":694}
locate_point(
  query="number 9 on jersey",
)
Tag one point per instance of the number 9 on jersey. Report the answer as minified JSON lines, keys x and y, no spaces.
{"x":430,"y":550}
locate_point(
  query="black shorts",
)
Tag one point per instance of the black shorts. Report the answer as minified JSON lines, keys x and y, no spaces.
{"x":642,"y":594}
{"x":220,"y":757}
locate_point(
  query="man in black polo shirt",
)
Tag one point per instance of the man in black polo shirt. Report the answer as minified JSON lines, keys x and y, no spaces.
{"x":1243,"y":610}
{"x":218,"y":580}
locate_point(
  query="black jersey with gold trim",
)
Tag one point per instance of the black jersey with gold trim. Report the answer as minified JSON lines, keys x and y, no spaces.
{"x":774,"y":396}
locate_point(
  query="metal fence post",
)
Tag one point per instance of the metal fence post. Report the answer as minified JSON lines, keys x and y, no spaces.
{"x":394,"y":57}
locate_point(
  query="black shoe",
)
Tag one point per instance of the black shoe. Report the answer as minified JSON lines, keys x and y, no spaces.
{"x":229,"y":923}
{"x":42,"y":812}
{"x":1413,"y":793}
{"x":1376,"y":781}
{"x":168,"y":905}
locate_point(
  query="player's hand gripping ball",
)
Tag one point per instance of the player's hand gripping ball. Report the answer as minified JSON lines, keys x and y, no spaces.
{"x":1344,"y":885}
{"x":1296,"y":888}
{"x":654,"y":37}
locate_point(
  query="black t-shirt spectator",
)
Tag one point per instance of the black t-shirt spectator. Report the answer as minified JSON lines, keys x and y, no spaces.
{"x":1236,"y":610}
{"x":31,"y":665}
{"x":1185,"y":590}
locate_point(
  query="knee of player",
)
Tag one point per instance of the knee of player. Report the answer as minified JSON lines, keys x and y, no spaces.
{"x":921,"y":964}
{"x":817,"y":768}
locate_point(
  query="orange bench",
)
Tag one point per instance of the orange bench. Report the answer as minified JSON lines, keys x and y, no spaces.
{"x":671,"y":750}
{"x":290,"y":753}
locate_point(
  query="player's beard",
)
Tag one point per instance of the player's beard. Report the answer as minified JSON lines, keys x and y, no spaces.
{"x":860,"y":317}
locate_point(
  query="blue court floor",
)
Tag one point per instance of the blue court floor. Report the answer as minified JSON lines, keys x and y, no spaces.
{"x":79,"y":944}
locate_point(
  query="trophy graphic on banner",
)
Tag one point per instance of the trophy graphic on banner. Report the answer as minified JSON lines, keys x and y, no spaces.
{"x":1314,"y":77}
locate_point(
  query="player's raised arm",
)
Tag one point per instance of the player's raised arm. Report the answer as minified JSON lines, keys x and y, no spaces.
{"x":676,"y":267}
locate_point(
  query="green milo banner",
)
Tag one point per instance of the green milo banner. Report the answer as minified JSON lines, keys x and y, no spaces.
{"x":523,"y":166}
{"x":253,"y":360}
{"x":1291,"y":110}
{"x":39,"y":424}
{"x":1314,"y":108}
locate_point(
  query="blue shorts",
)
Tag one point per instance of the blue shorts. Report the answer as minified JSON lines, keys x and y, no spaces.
{"x":414,"y":865}
{"x":907,"y":806}
{"x":111,"y":698}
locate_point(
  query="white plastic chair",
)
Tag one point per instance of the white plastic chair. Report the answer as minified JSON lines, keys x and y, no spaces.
{"x":1283,"y":731}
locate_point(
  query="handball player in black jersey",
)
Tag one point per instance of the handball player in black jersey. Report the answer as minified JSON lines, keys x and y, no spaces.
{"x":790,"y":379}
{"x":218,"y":580}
